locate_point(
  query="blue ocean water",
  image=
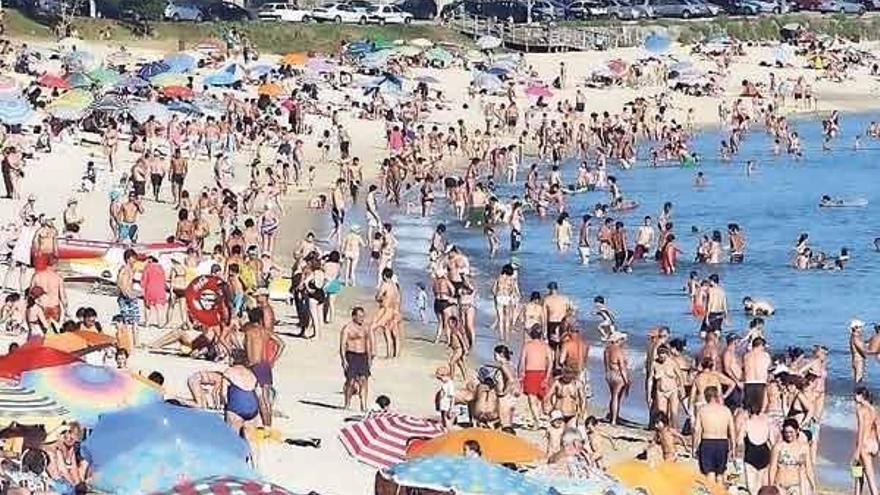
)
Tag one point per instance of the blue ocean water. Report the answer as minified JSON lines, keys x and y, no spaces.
{"x":773,"y":206}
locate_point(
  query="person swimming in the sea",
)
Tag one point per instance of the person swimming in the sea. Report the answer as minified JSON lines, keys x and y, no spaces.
{"x":757,"y":307}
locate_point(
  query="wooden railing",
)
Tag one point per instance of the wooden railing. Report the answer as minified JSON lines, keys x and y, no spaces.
{"x":548,"y":37}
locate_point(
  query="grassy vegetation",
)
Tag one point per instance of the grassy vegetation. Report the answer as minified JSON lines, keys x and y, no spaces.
{"x":269,"y":37}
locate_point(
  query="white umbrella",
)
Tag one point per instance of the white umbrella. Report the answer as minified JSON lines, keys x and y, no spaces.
{"x":140,"y":112}
{"x":421,"y":43}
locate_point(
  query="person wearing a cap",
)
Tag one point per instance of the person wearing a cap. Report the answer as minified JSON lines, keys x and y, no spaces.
{"x":72,"y":219}
{"x":857,"y":349}
{"x":616,"y":374}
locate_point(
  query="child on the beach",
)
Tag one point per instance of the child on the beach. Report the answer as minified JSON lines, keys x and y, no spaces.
{"x":311,"y":176}
{"x":422,"y":302}
{"x":606,"y":324}
{"x":553,"y":435}
{"x":445,"y":396}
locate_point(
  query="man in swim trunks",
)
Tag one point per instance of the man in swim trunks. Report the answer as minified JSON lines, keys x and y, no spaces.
{"x":263,"y":349}
{"x":716,"y":305}
{"x":356,"y":354}
{"x":714,"y":434}
{"x":337,"y":210}
{"x":857,"y":349}
{"x":535,"y":368}
{"x":756,"y":366}
{"x":54,"y":298}
{"x":556,"y":308}
{"x":128,"y":213}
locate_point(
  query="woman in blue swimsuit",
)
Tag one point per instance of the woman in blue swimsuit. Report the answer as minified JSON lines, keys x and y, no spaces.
{"x":239,"y":384}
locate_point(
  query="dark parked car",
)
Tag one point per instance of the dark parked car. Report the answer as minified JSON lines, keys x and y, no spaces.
{"x":225,"y":11}
{"x":504,"y":10}
{"x":420,"y":9}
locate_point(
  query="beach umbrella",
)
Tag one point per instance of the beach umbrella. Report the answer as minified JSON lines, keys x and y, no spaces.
{"x":408,"y":51}
{"x":488,"y":42}
{"x":9,"y":87}
{"x":169,"y":79}
{"x":657,"y":43}
{"x":665,"y":478}
{"x":89,"y":391}
{"x":153,"y":69}
{"x":142,"y":111}
{"x":32,"y":357}
{"x":23,"y":406}
{"x":209,"y":106}
{"x":475,"y":55}
{"x":497,"y":71}
{"x":320,"y":65}
{"x":68,"y":113}
{"x":180,"y":92}
{"x":427,"y":79}
{"x":489,"y":82}
{"x":497,"y":446}
{"x":155,"y":447}
{"x":180,"y":62}
{"x":295,"y":58}
{"x":539,"y":90}
{"x":227,"y":76}
{"x":226,"y":485}
{"x":421,"y":43}
{"x":576,"y":477}
{"x":109,"y":103}
{"x":617,"y":66}
{"x":15,"y":111}
{"x":260,"y":70}
{"x":104,"y":76}
{"x":76,"y":98}
{"x":78,"y":342}
{"x":359,"y":48}
{"x":53,"y":81}
{"x":80,"y":61}
{"x":184,"y":107}
{"x":381,"y":43}
{"x":79,"y":80}
{"x":270,"y":89}
{"x":132,"y":83}
{"x":438,"y":54}
{"x":465,"y":476}
{"x":380,"y":441}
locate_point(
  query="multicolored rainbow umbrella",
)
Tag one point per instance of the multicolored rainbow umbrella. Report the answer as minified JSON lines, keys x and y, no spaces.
{"x":88,"y":391}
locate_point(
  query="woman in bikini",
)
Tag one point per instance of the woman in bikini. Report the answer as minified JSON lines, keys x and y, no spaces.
{"x":508,"y":385}
{"x":867,"y":441}
{"x":506,"y":294}
{"x":791,"y":469}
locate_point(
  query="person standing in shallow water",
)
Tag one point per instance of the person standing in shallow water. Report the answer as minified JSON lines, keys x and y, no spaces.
{"x":616,"y":374}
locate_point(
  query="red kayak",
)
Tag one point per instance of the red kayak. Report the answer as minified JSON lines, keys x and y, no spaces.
{"x":83,"y":248}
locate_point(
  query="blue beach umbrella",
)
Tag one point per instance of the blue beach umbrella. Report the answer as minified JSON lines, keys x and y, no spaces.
{"x":184,"y":107}
{"x":359,"y":48}
{"x":156,"y":447}
{"x":180,"y":62}
{"x":132,"y":83}
{"x":487,"y":81}
{"x":146,"y":109}
{"x":14,"y":111}
{"x":153,"y":69}
{"x":79,"y":80}
{"x":657,"y":43}
{"x":465,"y":475}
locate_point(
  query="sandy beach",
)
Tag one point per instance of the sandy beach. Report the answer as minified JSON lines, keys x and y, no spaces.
{"x":308,"y":376}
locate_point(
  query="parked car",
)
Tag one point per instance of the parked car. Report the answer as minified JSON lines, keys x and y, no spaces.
{"x":625,"y":10}
{"x":388,"y":14}
{"x":684,"y":9}
{"x":225,"y":11}
{"x":546,"y":9}
{"x":755,"y":7}
{"x":339,"y":13}
{"x":182,"y":12}
{"x":585,"y":9}
{"x":286,"y":12}
{"x":360,"y":5}
{"x":421,"y":9}
{"x":841,"y":6}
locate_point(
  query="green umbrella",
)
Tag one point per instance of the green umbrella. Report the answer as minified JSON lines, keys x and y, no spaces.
{"x":439,"y":54}
{"x":380,"y":43}
{"x":104,"y":76}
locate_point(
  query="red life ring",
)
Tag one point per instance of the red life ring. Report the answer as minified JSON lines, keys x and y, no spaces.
{"x":206,"y":300}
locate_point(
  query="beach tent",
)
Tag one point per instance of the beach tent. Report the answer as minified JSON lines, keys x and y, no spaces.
{"x":381,"y":440}
{"x":155,"y":447}
{"x":497,"y":446}
{"x":463,"y":475}
{"x":89,"y":391}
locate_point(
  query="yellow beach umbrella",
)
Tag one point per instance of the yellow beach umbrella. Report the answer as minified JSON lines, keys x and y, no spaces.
{"x":665,"y":478}
{"x":295,"y":58}
{"x":270,"y":89}
{"x":166,"y":79}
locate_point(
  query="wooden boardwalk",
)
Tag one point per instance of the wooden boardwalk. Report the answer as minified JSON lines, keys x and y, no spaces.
{"x":548,"y":38}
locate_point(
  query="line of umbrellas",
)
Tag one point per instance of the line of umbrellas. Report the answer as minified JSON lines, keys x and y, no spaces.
{"x":138,"y":443}
{"x":417,"y":453}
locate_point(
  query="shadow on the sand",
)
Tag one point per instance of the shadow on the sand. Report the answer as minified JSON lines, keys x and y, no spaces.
{"x":320,"y":404}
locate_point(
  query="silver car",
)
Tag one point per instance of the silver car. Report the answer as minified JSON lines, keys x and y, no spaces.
{"x":183,"y":12}
{"x":624,"y":10}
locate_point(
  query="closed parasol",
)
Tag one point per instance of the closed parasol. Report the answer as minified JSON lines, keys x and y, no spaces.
{"x":381,"y":440}
{"x":497,"y":446}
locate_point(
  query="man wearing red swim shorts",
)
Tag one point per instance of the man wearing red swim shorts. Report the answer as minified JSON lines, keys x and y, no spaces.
{"x":53,"y":298}
{"x":536,"y":369}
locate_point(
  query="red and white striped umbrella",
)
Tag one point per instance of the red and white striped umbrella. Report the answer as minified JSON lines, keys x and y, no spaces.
{"x":226,"y":485}
{"x":380,"y":440}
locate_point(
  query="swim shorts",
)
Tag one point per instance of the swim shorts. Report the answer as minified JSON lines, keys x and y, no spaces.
{"x":712,"y":455}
